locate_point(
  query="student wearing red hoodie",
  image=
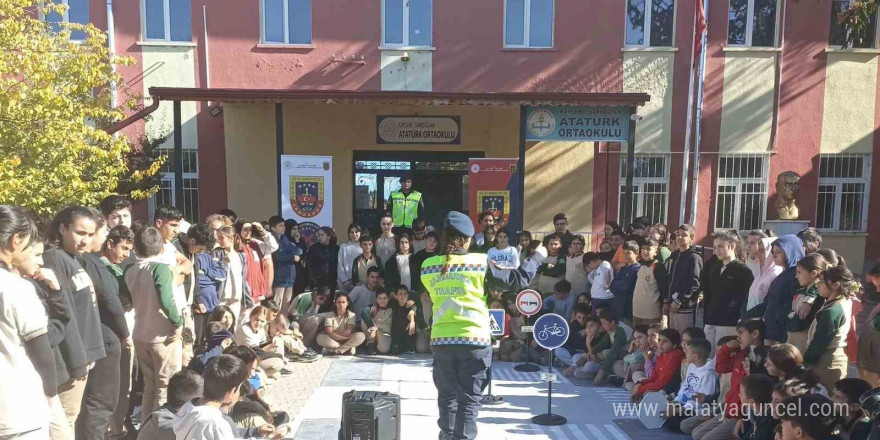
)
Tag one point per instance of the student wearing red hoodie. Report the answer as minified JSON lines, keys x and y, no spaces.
{"x":744,"y":356}
{"x":667,"y":367}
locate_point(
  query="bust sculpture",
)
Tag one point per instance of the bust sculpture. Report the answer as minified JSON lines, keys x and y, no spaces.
{"x":787,"y":187}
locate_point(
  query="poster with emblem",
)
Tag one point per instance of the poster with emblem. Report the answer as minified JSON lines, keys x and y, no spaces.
{"x":493,"y":187}
{"x":307,"y":191}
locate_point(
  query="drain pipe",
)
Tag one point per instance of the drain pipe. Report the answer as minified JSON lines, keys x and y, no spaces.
{"x":111,"y":46}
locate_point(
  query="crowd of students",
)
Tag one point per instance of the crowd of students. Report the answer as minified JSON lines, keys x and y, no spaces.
{"x":101,"y":309}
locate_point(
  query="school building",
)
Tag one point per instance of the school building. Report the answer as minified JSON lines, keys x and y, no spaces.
{"x":256,"y":79}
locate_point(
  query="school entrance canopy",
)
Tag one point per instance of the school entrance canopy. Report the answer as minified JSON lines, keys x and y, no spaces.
{"x":593,"y":117}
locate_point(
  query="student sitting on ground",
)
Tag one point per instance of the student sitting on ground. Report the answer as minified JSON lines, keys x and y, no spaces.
{"x":339,"y":335}
{"x":288,"y":342}
{"x":697,"y":386}
{"x":562,"y":301}
{"x":183,"y":387}
{"x":202,"y":419}
{"x":613,"y":358}
{"x":802,"y":425}
{"x":855,"y":423}
{"x":217,"y":340}
{"x":596,"y":342}
{"x":651,"y":354}
{"x":756,"y":394}
{"x":510,"y":349}
{"x":577,"y":337}
{"x":634,"y":362}
{"x":687,"y":336}
{"x":376,"y":324}
{"x":253,"y":334}
{"x":666,"y":369}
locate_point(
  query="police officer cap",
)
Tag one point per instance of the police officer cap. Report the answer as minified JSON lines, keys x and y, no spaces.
{"x":460,"y":223}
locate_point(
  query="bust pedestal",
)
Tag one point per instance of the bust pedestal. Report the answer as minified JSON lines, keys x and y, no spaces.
{"x":786,"y":227}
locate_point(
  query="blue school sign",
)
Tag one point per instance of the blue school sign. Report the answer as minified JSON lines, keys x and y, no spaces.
{"x":577,"y":123}
{"x":496,"y":321}
{"x":551,"y":331}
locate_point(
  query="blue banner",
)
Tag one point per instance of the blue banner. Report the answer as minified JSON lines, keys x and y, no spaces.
{"x":577,"y":123}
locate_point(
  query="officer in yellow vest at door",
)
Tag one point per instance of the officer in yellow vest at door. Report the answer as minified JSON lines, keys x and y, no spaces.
{"x":460,"y":335}
{"x":406,"y":205}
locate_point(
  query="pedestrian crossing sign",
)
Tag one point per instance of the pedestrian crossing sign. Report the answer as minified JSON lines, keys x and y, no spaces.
{"x":496,"y":321}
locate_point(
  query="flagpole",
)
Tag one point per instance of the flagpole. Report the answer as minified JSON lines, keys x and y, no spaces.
{"x":699,"y":120}
{"x":685,"y":161}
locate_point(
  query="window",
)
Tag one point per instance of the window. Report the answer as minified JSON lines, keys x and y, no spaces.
{"x":168,"y":20}
{"x":528,"y":23}
{"x":166,"y":194}
{"x":406,"y":22}
{"x":77,"y":12}
{"x":650,"y":187}
{"x":752,"y":23}
{"x":843,"y":197}
{"x":287,"y":21}
{"x":741,"y":191}
{"x":841,"y":36}
{"x":650,"y":23}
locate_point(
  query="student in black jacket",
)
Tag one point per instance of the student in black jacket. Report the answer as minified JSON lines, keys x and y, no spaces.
{"x":102,"y":387}
{"x":727,"y":288}
{"x":684,"y":267}
{"x":71,"y":233}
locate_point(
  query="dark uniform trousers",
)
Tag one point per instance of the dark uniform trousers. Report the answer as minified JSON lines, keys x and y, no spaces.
{"x":459,"y":375}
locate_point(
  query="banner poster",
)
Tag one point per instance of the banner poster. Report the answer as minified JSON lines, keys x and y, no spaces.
{"x":493,"y":186}
{"x":307,"y":192}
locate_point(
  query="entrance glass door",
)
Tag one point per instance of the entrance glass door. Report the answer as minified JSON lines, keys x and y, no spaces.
{"x":441,"y":177}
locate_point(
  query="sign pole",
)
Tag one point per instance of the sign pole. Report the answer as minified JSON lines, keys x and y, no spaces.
{"x":490,"y":399}
{"x":552,"y":332}
{"x":496,"y":325}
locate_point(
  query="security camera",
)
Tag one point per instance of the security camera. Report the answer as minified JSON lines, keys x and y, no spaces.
{"x":635,"y":117}
{"x":405,"y":56}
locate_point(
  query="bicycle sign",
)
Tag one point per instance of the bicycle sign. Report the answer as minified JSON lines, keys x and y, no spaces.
{"x":551,"y":331}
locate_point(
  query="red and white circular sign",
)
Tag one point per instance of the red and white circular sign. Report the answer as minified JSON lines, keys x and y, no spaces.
{"x":529,"y":302}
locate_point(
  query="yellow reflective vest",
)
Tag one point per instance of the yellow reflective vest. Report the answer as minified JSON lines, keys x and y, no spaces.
{"x":460,"y":313}
{"x":405,"y":208}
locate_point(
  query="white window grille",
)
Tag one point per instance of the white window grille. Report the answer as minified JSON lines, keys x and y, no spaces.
{"x":407,"y":23}
{"x":650,"y":23}
{"x":528,"y":23}
{"x":839,"y":34}
{"x":166,"y":20}
{"x":167,"y":194}
{"x":77,"y":12}
{"x":286,"y":21}
{"x":650,"y":187}
{"x":752,"y":23}
{"x":741,"y":191}
{"x":844,"y":180}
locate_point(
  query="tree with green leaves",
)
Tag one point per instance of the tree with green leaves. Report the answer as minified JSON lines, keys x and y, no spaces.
{"x":54,"y":101}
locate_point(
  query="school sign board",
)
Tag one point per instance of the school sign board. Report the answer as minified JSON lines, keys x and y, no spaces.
{"x":577,"y":123}
{"x":307,"y":192}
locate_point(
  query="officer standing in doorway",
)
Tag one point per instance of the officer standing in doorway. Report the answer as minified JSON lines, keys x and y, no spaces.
{"x":406,"y":205}
{"x":460,"y":335}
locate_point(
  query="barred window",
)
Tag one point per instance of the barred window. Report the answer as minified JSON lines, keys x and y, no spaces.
{"x":166,"y":194}
{"x":741,"y":191}
{"x":843,"y":197}
{"x":650,"y":187}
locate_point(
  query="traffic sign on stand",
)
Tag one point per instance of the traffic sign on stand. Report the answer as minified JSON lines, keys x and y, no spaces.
{"x":529,"y":302}
{"x":496,"y":321}
{"x":551,"y":332}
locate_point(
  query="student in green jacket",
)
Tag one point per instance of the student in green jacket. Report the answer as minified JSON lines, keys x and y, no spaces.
{"x":617,"y":350}
{"x":827,"y":335}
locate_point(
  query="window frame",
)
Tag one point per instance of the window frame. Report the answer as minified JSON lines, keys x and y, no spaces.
{"x":285,"y":8}
{"x":527,"y":15}
{"x":639,"y":183}
{"x":646,"y":28}
{"x":166,"y":21}
{"x":874,"y":44}
{"x":405,"y":29}
{"x":739,"y":182}
{"x":66,"y":19}
{"x":750,"y":26}
{"x":838,"y":183}
{"x":167,"y":177}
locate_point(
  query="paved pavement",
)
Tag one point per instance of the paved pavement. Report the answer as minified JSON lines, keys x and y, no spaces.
{"x":313,"y":396}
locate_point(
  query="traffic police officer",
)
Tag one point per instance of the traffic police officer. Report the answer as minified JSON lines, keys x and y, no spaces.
{"x":406,"y":205}
{"x":460,"y":334}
